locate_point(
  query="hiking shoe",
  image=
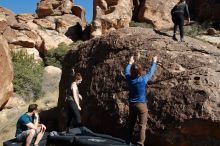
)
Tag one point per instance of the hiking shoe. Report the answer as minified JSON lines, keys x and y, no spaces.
{"x":182,"y":40}
{"x":174,"y":38}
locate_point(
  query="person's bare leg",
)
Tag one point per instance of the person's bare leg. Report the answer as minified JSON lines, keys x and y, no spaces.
{"x":40,"y":134}
{"x":30,"y":137}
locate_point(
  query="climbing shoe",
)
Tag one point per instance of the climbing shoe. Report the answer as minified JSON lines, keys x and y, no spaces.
{"x":174,"y":38}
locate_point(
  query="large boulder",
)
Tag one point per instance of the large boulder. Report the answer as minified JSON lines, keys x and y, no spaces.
{"x":51,"y":39}
{"x":80,"y":12}
{"x":70,"y":25}
{"x":10,"y":34}
{"x":25,"y":17}
{"x":7,"y":19}
{"x":51,"y":79}
{"x":156,"y":12}
{"x":183,"y":95}
{"x":109,"y":15}
{"x":53,"y":7}
{"x":6,"y":87}
{"x":45,"y":24}
{"x":9,"y":16}
{"x":3,"y":23}
{"x":22,"y":38}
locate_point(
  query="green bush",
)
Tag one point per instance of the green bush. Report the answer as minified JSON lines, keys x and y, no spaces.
{"x":140,"y":24}
{"x":27,"y":75}
{"x":194,"y":30}
{"x":197,"y":29}
{"x":55,"y":56}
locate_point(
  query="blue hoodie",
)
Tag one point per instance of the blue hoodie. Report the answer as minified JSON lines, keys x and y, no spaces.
{"x":137,"y":86}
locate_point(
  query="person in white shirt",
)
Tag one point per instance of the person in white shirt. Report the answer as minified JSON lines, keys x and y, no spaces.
{"x":73,"y":102}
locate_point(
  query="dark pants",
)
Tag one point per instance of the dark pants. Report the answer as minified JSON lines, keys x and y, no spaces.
{"x":178,"y":20}
{"x":137,"y":110}
{"x":73,"y":113}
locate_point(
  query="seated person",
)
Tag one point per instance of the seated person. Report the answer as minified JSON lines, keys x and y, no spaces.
{"x":28,"y":127}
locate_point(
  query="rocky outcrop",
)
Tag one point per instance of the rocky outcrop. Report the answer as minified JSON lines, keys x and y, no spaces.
{"x":215,"y":40}
{"x":205,"y":10}
{"x":211,"y":31}
{"x":24,"y":17}
{"x":7,"y":16}
{"x":6,"y":87}
{"x":110,"y":15}
{"x":33,"y":34}
{"x":46,"y":32}
{"x":183,"y":95}
{"x":79,"y":12}
{"x":53,"y":7}
{"x":156,"y":12}
{"x":51,"y":39}
{"x":45,"y":24}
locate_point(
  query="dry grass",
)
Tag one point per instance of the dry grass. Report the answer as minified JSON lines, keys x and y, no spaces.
{"x":8,"y":119}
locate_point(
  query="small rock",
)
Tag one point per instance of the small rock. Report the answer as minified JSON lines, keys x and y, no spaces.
{"x":211,"y":31}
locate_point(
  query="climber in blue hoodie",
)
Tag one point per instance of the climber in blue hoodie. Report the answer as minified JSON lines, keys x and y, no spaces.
{"x":137,"y":82}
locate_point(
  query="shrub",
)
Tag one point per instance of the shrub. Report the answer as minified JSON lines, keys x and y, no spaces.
{"x":140,"y":24}
{"x":55,"y":56}
{"x":197,"y":29}
{"x":194,"y":30}
{"x":27,"y":75}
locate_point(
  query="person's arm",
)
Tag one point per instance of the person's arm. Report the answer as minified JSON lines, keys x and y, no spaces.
{"x":75,"y":95}
{"x":127,"y":71}
{"x":151,"y":71}
{"x":34,"y":126}
{"x":80,"y":96}
{"x":42,"y":127}
{"x":35,"y":123}
{"x":128,"y":67}
{"x":187,"y":12}
{"x":31,"y":126}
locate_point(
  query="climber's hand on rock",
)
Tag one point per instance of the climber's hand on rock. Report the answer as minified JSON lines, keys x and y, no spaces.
{"x":155,"y":59}
{"x":131,"y":60}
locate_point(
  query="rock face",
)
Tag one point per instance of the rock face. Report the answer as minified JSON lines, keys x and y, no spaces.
{"x":33,"y":34}
{"x":206,"y":9}
{"x":47,"y":30}
{"x":156,"y":12}
{"x":79,"y":12}
{"x":211,"y":31}
{"x":183,"y":95}
{"x":6,"y":87}
{"x":53,"y":7}
{"x":110,"y":15}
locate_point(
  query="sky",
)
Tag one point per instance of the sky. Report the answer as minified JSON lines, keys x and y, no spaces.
{"x":29,"y":6}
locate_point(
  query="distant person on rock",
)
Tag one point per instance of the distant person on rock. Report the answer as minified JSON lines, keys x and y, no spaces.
{"x":73,"y":106}
{"x":137,"y":82}
{"x":28,"y":127}
{"x":177,"y":13}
